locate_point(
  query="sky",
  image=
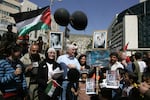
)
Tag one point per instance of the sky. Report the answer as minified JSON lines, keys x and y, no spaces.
{"x":100,"y":13}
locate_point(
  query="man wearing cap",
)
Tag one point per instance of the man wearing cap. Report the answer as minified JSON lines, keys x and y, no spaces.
{"x":114,"y":64}
{"x":76,"y":49}
{"x":68,"y":61}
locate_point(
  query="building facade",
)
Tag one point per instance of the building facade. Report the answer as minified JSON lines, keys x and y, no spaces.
{"x":6,"y":8}
{"x":131,"y":26}
{"x":27,"y":5}
{"x":142,"y":0}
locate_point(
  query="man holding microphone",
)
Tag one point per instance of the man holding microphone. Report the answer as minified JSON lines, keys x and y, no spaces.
{"x":12,"y":78}
{"x":31,"y":61}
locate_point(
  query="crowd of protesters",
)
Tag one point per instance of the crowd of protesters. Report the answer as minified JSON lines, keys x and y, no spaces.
{"x":26,"y":76}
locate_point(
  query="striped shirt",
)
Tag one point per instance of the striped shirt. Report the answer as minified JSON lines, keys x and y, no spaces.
{"x":9,"y":82}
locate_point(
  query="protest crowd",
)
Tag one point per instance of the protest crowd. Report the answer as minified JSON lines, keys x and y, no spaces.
{"x":67,"y":76}
{"x":30,"y":72}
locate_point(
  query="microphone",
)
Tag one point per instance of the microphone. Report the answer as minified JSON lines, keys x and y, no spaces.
{"x":19,"y":68}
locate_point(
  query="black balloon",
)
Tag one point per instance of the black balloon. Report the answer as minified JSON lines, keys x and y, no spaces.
{"x":78,"y":20}
{"x":62,"y":16}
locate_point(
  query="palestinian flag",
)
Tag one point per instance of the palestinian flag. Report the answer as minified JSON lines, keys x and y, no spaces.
{"x":52,"y":85}
{"x":32,"y":20}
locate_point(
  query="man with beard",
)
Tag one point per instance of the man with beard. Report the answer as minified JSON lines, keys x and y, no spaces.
{"x":12,"y":79}
{"x":31,"y":61}
{"x":114,"y":61}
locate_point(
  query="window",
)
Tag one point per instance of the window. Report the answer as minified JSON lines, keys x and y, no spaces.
{"x":4,"y":12}
{"x":10,"y":5}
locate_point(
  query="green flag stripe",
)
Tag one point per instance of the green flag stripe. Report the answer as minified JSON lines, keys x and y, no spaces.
{"x":26,"y":29}
{"x":49,"y":87}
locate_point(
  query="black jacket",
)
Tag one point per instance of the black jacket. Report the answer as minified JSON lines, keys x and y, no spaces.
{"x":42,"y":78}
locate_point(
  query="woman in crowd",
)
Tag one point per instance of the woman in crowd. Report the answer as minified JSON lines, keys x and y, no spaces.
{"x":82,"y":61}
{"x":46,"y":74}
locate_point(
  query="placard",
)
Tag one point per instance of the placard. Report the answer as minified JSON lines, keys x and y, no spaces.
{"x":100,"y":39}
{"x":56,"y":40}
{"x":90,"y":86}
{"x":97,"y":58}
{"x":112,"y":80}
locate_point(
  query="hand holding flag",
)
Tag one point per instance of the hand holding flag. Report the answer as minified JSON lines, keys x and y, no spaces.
{"x":51,"y":87}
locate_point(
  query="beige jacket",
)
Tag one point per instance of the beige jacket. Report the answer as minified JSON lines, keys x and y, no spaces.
{"x":27,"y":61}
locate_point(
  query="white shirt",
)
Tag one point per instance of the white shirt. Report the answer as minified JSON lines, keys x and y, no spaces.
{"x":50,"y":70}
{"x":116,"y":66}
{"x":142,"y":66}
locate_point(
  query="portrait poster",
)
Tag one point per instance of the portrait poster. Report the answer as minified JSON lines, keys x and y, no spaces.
{"x":56,"y":40}
{"x":112,"y":80}
{"x":100,"y":40}
{"x":98,"y":58}
{"x":90,"y":86}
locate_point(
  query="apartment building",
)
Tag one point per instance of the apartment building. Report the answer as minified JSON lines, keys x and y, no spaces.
{"x":131,"y":26}
{"x":7,"y":7}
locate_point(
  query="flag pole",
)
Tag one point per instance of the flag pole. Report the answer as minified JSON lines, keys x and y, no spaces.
{"x":52,"y":3}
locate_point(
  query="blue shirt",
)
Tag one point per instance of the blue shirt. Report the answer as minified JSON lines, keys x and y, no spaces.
{"x":68,"y":60}
{"x":9,"y":82}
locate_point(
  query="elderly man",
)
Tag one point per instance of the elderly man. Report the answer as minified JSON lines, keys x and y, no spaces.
{"x":31,"y":61}
{"x":68,"y":61}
